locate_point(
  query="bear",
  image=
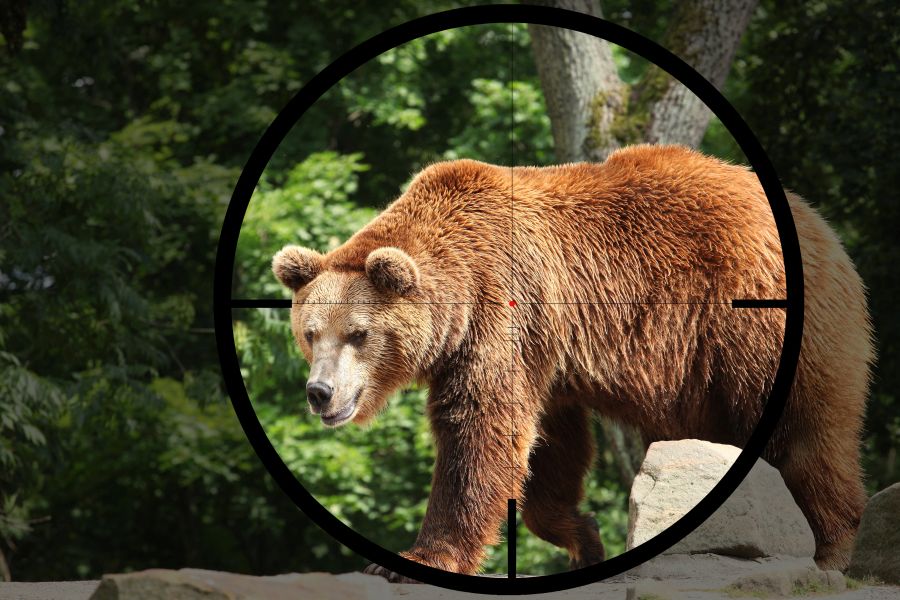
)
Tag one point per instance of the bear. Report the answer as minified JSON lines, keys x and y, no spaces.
{"x":528,"y":298}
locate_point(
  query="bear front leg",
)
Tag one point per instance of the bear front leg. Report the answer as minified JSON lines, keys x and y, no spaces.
{"x":479,"y":467}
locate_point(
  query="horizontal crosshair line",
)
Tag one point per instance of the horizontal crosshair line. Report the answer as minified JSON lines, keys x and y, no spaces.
{"x":259,"y":303}
{"x":622,"y":302}
{"x":400,"y":302}
{"x":736,"y":303}
{"x":280,"y":303}
{"x":758,"y":303}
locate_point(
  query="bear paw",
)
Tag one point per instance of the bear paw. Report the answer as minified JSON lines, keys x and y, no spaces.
{"x":374,"y":569}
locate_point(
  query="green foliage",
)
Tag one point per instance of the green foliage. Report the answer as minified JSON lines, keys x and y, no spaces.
{"x":374,"y":479}
{"x":29,"y":404}
{"x":487,"y":136}
{"x":99,"y":275}
{"x":145,"y":474}
{"x":311,"y":206}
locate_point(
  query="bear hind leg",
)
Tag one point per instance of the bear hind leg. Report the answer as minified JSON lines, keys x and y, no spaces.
{"x":558,"y":464}
{"x":825,"y":478}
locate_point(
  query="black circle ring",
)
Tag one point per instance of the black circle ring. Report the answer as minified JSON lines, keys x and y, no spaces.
{"x":480,"y":15}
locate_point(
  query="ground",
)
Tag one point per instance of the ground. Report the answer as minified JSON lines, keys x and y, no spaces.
{"x":618,"y":588}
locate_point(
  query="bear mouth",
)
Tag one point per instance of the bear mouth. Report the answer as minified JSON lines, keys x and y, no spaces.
{"x":343,"y":415}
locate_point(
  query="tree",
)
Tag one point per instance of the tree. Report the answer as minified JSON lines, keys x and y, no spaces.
{"x":593,"y":111}
{"x":578,"y":77}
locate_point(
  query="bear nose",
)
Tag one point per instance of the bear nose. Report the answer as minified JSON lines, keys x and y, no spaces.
{"x":318,"y":394}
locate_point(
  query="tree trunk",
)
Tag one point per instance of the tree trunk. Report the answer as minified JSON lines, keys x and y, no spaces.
{"x":581,"y":88}
{"x":705,"y":34}
{"x":593,"y":112}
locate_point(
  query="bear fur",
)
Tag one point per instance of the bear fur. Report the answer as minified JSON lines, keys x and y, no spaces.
{"x":622,"y":275}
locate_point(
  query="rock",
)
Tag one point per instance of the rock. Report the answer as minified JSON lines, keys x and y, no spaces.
{"x":199,"y":584}
{"x":49,"y":590}
{"x":725,"y":576}
{"x":876,"y":552}
{"x":713,"y":571}
{"x":836,"y":580}
{"x":783,"y":580}
{"x":650,"y":590}
{"x":760,"y":519}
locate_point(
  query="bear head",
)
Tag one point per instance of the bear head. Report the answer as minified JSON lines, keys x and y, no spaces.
{"x":361,"y":330}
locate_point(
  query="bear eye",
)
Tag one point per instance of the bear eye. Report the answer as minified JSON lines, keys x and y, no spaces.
{"x":357,"y":337}
{"x":308,"y":336}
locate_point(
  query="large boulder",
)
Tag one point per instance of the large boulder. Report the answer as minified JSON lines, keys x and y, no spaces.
{"x":759,"y":519}
{"x":876,"y":552}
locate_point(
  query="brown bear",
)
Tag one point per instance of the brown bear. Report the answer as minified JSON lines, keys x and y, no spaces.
{"x":525,"y":298}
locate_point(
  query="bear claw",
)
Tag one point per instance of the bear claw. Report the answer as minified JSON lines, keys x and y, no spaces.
{"x":380,"y":571}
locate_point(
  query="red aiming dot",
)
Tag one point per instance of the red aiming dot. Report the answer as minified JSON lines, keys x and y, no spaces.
{"x":512,"y":303}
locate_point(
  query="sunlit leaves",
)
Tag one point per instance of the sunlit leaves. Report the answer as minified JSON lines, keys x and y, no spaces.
{"x":311,"y":206}
{"x":497,"y":134}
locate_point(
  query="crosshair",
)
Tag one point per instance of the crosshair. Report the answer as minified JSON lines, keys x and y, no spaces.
{"x":791,"y":304}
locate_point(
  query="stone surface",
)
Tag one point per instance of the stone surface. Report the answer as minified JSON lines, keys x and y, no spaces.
{"x":47,"y":590}
{"x":199,"y":584}
{"x":713,"y":571}
{"x":836,"y":580}
{"x":651,"y":590}
{"x":782,"y":580}
{"x":876,"y":552}
{"x":760,"y":519}
{"x":699,"y":575}
{"x":705,"y":584}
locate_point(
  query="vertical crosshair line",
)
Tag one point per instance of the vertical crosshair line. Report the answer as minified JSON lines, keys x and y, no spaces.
{"x":512,"y":158}
{"x":511,"y":546}
{"x":511,"y":505}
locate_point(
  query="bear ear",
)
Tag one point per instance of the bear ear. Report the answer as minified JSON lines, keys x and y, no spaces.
{"x":295,"y":266}
{"x":392,"y":270}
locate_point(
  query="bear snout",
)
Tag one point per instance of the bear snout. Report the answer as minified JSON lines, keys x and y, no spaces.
{"x":319,"y":395}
